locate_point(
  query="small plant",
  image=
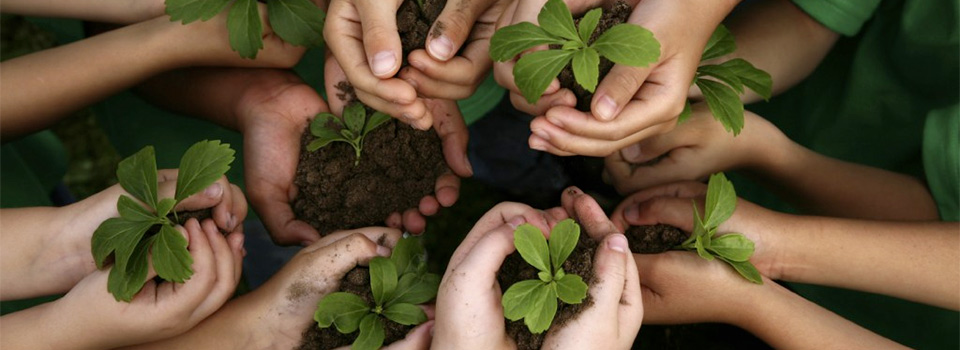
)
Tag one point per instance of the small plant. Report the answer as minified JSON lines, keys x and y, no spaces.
{"x":127,"y":237}
{"x":626,"y":44}
{"x":298,"y":22}
{"x":398,"y":284}
{"x":723,"y":94}
{"x":733,"y":248}
{"x":354,"y":127}
{"x":535,"y":301}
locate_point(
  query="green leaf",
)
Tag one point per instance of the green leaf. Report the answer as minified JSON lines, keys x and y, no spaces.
{"x":298,"y":22}
{"x":383,"y":279}
{"x":345,"y":310}
{"x":405,"y":314}
{"x":348,"y":135}
{"x":171,"y":259}
{"x":745,"y":269}
{"x":559,"y":274}
{"x":543,"y":310}
{"x":518,"y":300}
{"x":130,"y":210}
{"x":371,"y":334}
{"x":243,"y":23}
{"x":723,"y":74}
{"x":202,"y":164}
{"x":556,"y":19}
{"x":125,"y":283}
{"x":701,"y":250}
{"x":628,"y":44}
{"x":326,"y":125}
{"x":534,"y":71}
{"x":118,"y":236}
{"x":721,"y":201}
{"x":720,"y":43}
{"x":545,"y":276}
{"x":687,"y":112}
{"x":755,"y":79}
{"x":571,"y":289}
{"x":319,"y":142}
{"x":532,"y":246}
{"x":137,"y":175}
{"x":188,"y":11}
{"x":572,"y":45}
{"x":406,"y":253}
{"x":354,"y":116}
{"x":375,"y":120}
{"x":415,"y":288}
{"x":165,"y":206}
{"x":510,"y":41}
{"x":563,"y":239}
{"x":733,"y":247}
{"x":724,"y":104}
{"x":588,"y":23}
{"x":586,"y":68}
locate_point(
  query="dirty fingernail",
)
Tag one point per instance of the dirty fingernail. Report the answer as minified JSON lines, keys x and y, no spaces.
{"x":631,"y":153}
{"x":441,"y":47}
{"x":383,"y":63}
{"x":617,"y":242}
{"x":574,"y":190}
{"x":516,"y":221}
{"x":383,"y":251}
{"x":213,"y":191}
{"x":606,"y":108}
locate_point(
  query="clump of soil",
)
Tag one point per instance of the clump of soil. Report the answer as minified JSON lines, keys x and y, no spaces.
{"x":357,"y":281}
{"x":515,"y":269}
{"x":414,"y":23}
{"x":615,"y":14}
{"x":654,"y":239}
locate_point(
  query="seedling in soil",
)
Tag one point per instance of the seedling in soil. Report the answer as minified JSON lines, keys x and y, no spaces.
{"x":398,"y":285}
{"x":625,"y":44}
{"x":298,"y":22}
{"x":127,"y":237}
{"x":535,"y":301}
{"x":354,"y":127}
{"x":733,"y":248}
{"x":723,"y":94}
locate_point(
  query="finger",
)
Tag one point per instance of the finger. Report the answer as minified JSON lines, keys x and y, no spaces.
{"x":467,"y":69}
{"x":428,"y":206}
{"x":673,"y":168}
{"x":394,"y":220}
{"x":588,"y":213}
{"x":431,"y":88}
{"x":677,"y":212}
{"x":192,"y":292}
{"x":274,"y":208}
{"x":452,"y":27}
{"x":447,"y":190}
{"x":222,"y":213}
{"x":381,"y":39}
{"x":685,"y":190}
{"x":224,"y":283}
{"x":418,"y":338}
{"x":239,"y":210}
{"x":453,"y":133}
{"x":346,"y":253}
{"x":513,"y":214}
{"x":344,"y":50}
{"x":555,"y":215}
{"x":610,"y":269}
{"x":562,"y":140}
{"x":503,"y":74}
{"x":617,"y":172}
{"x":631,"y":302}
{"x":617,"y":89}
{"x":479,"y":268}
{"x":236,"y":245}
{"x":414,"y":114}
{"x":208,"y":198}
{"x":413,"y":222}
{"x":383,"y":236}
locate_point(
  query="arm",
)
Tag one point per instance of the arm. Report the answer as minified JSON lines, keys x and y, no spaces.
{"x":109,"y":11}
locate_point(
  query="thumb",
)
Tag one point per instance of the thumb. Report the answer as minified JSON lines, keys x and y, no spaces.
{"x":609,"y":268}
{"x":343,"y":255}
{"x":452,"y":28}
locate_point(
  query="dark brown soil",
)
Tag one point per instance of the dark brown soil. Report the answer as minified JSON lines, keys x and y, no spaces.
{"x":515,"y":269}
{"x":414,"y":23}
{"x":200,"y":215}
{"x":654,"y":239}
{"x":615,"y":14}
{"x":357,"y":281}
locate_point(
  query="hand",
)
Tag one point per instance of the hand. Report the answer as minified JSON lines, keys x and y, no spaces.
{"x":697,"y":148}
{"x":631,"y":103}
{"x":435,"y":72}
{"x":272,"y":117}
{"x":124,"y":12}
{"x":90,"y":317}
{"x":449,"y":124}
{"x":672,"y":205}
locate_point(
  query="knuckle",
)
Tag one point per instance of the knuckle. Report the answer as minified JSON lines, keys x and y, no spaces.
{"x":625,"y":83}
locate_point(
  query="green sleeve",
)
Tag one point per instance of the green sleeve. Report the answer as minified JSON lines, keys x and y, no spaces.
{"x":941,"y":160}
{"x":842,"y":16}
{"x":486,"y":97}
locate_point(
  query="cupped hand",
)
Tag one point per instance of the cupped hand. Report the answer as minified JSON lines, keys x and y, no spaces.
{"x":693,"y":150}
{"x":159,"y":310}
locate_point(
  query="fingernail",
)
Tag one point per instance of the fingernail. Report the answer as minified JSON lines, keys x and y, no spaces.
{"x":213,"y":191}
{"x":574,"y":190}
{"x":541,"y":134}
{"x":631,"y":212}
{"x":240,"y":242}
{"x":606,"y":108}
{"x":407,"y":118}
{"x":617,"y":242}
{"x":538,"y":144}
{"x":631,"y":153}
{"x":469,"y":166}
{"x":383,"y":63}
{"x":232,"y":221}
{"x":411,"y":82}
{"x":441,"y":47}
{"x":417,"y":64}
{"x":516,"y":221}
{"x":383,"y":251}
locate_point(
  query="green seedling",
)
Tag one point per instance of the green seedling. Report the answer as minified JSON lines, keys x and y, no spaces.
{"x":398,"y":283}
{"x":355,"y":126}
{"x":298,"y":22}
{"x":733,"y":248}
{"x":535,"y":301}
{"x":127,"y":237}
{"x":625,"y":44}
{"x":723,"y":94}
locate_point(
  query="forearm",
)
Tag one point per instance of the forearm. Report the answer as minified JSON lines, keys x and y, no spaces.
{"x":52,"y":83}
{"x":786,"y":321}
{"x":768,"y":35}
{"x":109,"y":11}
{"x":917,"y":261}
{"x":40,"y":328}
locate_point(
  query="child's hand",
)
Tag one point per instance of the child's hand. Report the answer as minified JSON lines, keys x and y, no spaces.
{"x":695,"y":149}
{"x":672,"y":204}
{"x":89,"y":314}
